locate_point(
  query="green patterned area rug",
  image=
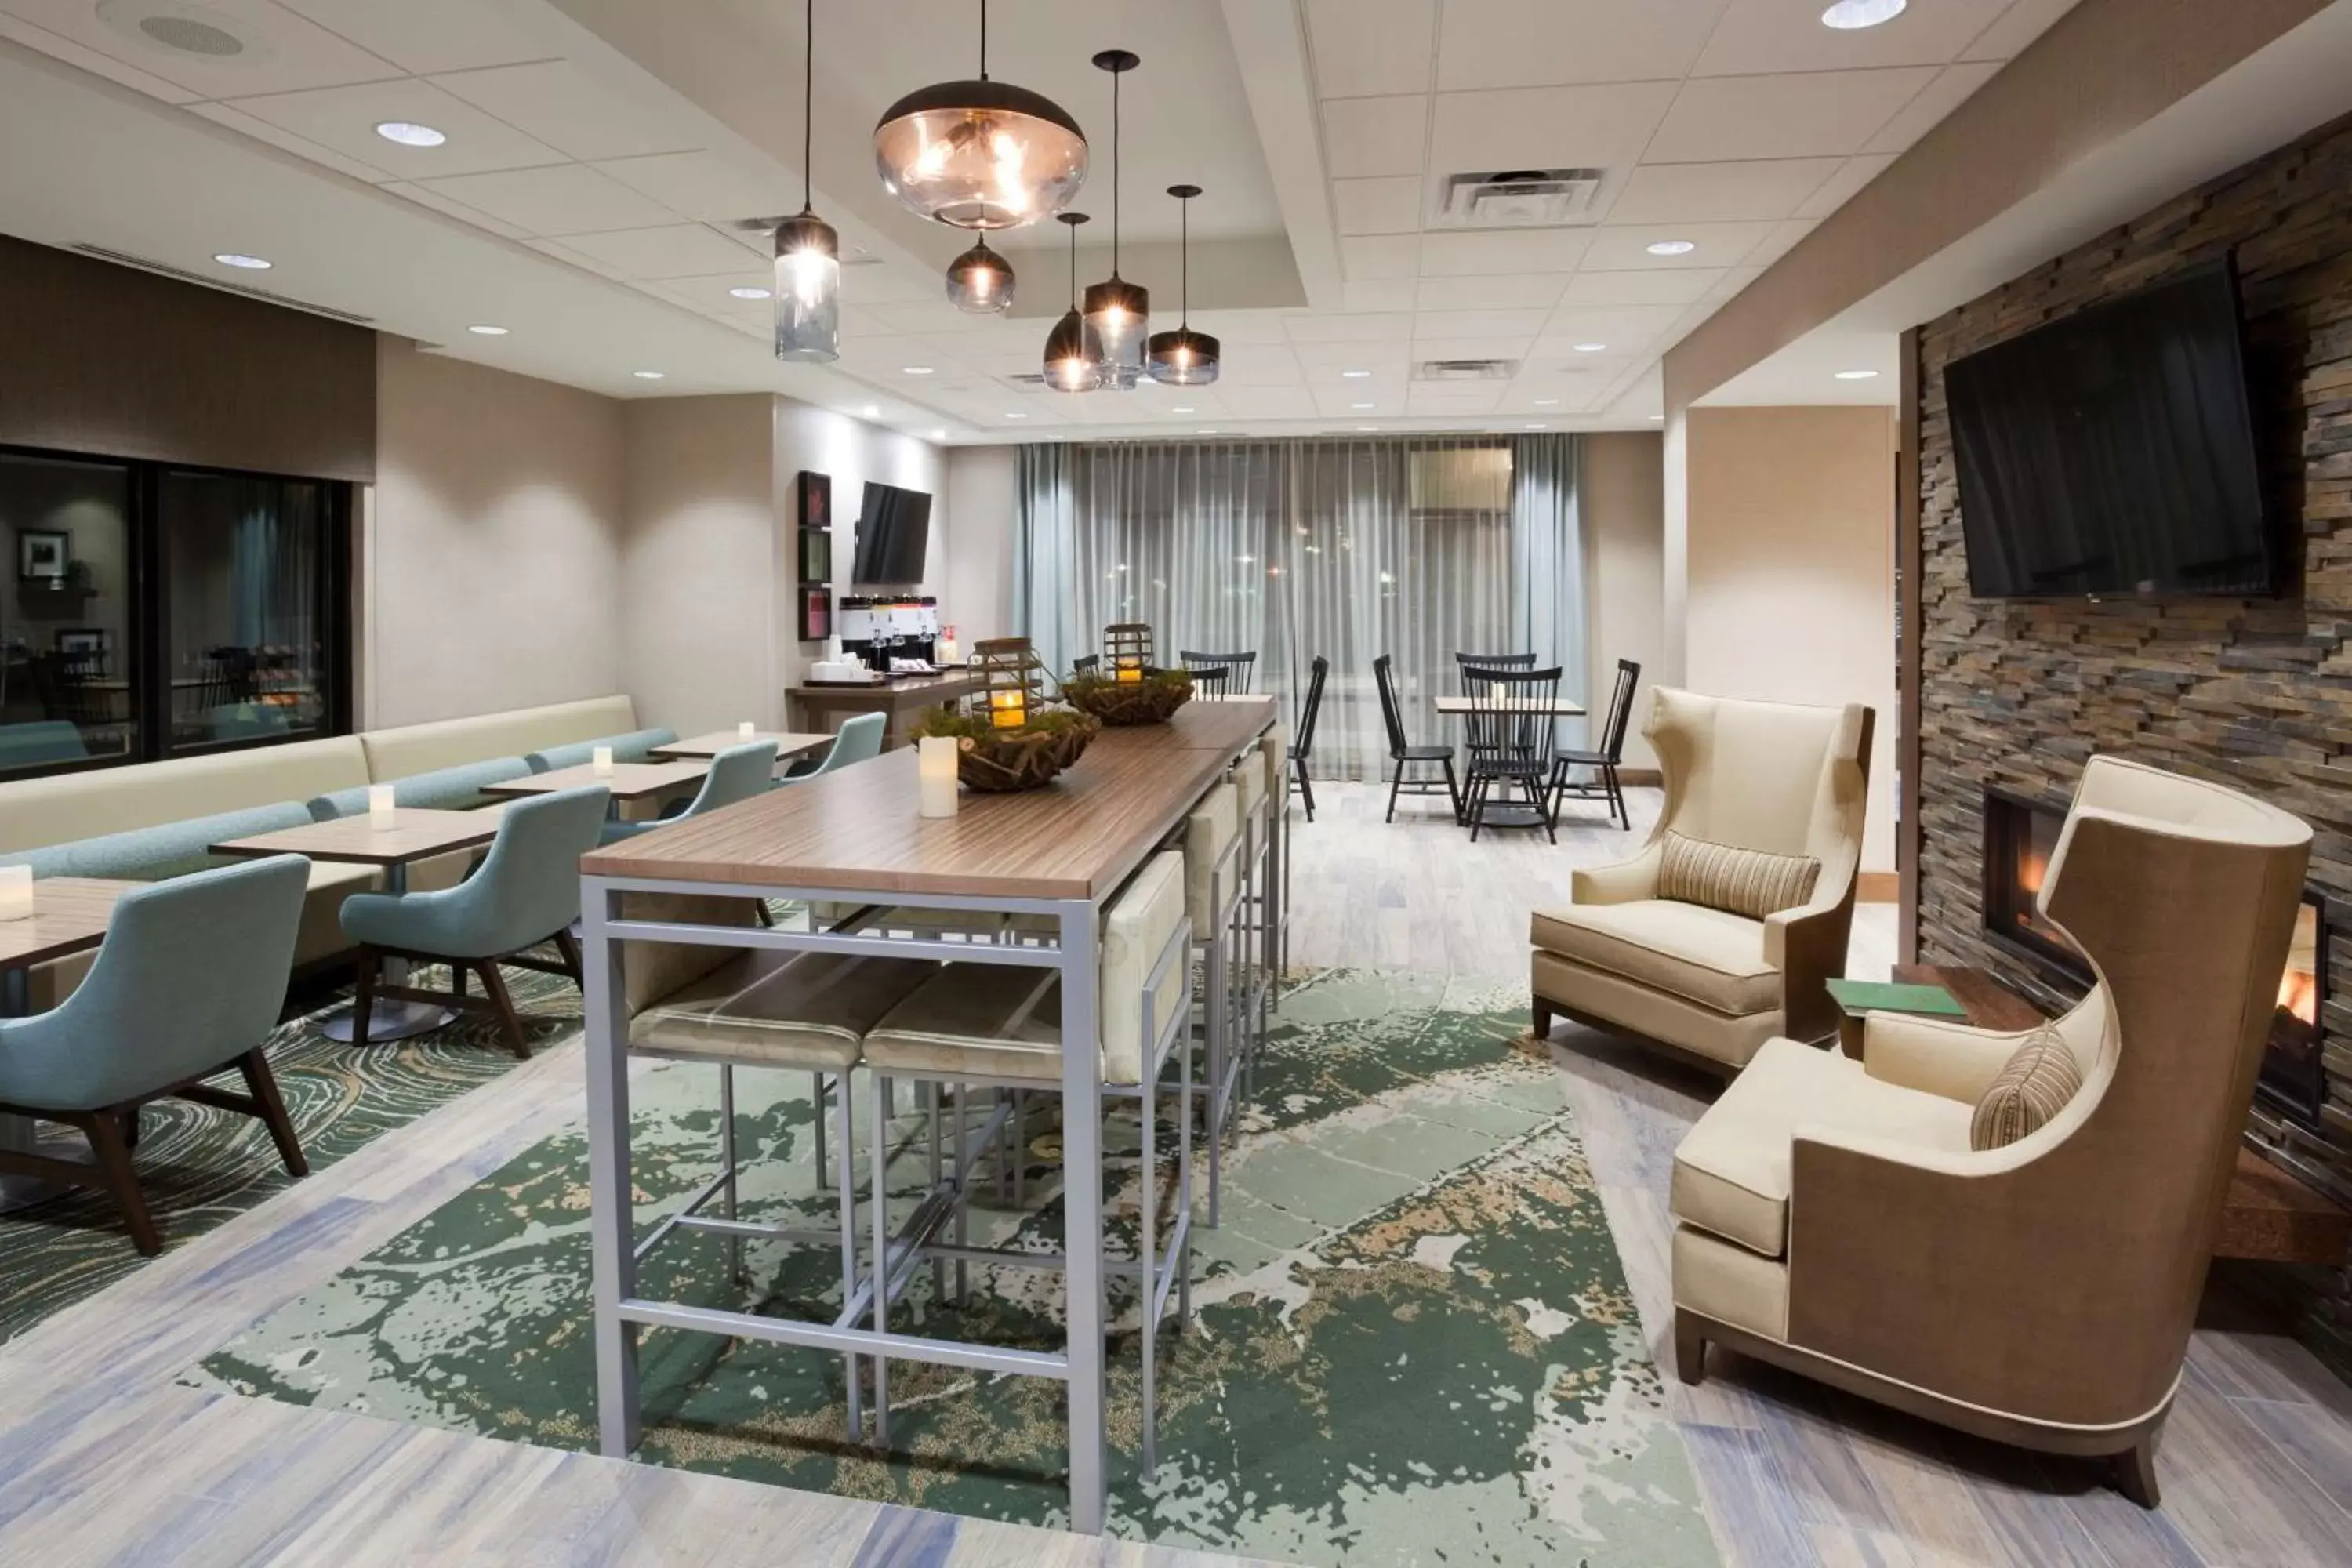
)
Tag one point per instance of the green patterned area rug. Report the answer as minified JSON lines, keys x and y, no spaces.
{"x":1414,"y":1341}
{"x":199,"y":1166}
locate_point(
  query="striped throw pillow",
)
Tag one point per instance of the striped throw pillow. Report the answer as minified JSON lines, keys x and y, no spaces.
{"x":1738,"y":881}
{"x":2040,"y":1078}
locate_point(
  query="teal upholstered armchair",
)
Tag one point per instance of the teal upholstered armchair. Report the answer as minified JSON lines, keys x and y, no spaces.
{"x":188,"y":984}
{"x":858,"y":739}
{"x":739,"y":772}
{"x":526,"y":891}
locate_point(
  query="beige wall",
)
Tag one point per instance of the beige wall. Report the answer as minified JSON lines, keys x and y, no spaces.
{"x":1622,"y":509}
{"x":1791,"y":569}
{"x":976,"y":594}
{"x":490,"y":556}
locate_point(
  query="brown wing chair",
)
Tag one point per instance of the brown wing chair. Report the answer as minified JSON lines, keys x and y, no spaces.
{"x":1831,"y":1218}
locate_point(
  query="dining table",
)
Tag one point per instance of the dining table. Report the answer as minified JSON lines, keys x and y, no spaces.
{"x":625,"y":781}
{"x":856,"y":837}
{"x":791,"y":745}
{"x":69,"y":916}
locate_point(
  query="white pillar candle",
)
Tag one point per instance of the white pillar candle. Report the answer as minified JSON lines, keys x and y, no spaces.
{"x":600,"y":760}
{"x":745,"y":731}
{"x":380,"y":808}
{"x":935,"y":766}
{"x":16,"y":892}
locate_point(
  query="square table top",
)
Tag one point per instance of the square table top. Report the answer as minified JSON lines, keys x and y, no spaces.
{"x":417,"y":834}
{"x":69,"y":914}
{"x":1559,"y":706}
{"x":789,"y":743}
{"x":627,"y":781}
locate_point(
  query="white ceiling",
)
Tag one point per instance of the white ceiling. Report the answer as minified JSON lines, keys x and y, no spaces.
{"x":599,"y":152}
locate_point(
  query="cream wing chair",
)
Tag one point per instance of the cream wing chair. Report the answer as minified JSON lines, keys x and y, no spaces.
{"x":1707,"y":984}
{"x":1831,"y":1216}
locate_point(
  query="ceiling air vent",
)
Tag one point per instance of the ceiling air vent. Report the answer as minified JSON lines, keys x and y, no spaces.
{"x":1465,"y":370}
{"x":147,"y":264}
{"x":1519,"y":198}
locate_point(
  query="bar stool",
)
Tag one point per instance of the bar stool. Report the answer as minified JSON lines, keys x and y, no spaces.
{"x":1253,"y":810}
{"x":999,"y":1027}
{"x":1212,"y":905}
{"x":1274,"y":747}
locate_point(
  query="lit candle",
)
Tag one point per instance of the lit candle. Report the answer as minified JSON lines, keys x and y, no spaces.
{"x":1129,"y":671}
{"x":1008,"y":709}
{"x":935,"y":767}
{"x":600,"y":761}
{"x":745,"y":731}
{"x":380,"y":808}
{"x":947,"y":649}
{"x":16,"y":892}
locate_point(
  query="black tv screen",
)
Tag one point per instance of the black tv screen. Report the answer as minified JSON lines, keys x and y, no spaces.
{"x":2113,"y":452}
{"x":894,"y":530}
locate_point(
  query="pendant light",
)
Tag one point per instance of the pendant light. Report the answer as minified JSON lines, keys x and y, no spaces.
{"x":980,"y":281}
{"x":979,"y":154}
{"x":808,"y":253}
{"x":1073,"y":355}
{"x":1183,"y":357}
{"x":1119,"y":311}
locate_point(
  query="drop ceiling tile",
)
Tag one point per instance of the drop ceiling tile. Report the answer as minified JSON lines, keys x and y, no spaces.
{"x":1366,"y":257}
{"x":1623,"y":327}
{"x":262,"y":130}
{"x":1530,"y":43}
{"x":1762,"y":36}
{"x":1364,"y":47}
{"x":884,"y":284}
{"x":1260,"y":364}
{"x":59,"y":46}
{"x":1514,"y":348}
{"x":1600,"y":127}
{"x":672,"y":250}
{"x":1440,"y":397}
{"x":423,"y":36}
{"x":586,"y":263}
{"x":2018,"y":26}
{"x":708,"y":186}
{"x":1378,"y":294}
{"x":1387,"y":205}
{"x":1718,"y":245}
{"x":1454,"y":253}
{"x":934,"y":315}
{"x":1330,"y":362}
{"x":1245,"y":326}
{"x":1379,"y":327}
{"x":453,"y":210}
{"x":1369,"y":136}
{"x":1803,"y":115}
{"x":344,"y":118}
{"x":575,"y":110}
{"x":1845,"y":185}
{"x":1781,"y":241}
{"x":568,"y":198}
{"x":1515,"y":292}
{"x":1939,"y":99}
{"x":1270,"y":402}
{"x":284,"y":52}
{"x":1662,"y":286}
{"x":1721,"y":193}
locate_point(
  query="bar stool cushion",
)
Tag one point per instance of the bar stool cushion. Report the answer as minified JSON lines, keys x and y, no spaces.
{"x":766,"y":1009}
{"x":1274,"y":748}
{"x":1212,"y":828}
{"x":1249,"y":783}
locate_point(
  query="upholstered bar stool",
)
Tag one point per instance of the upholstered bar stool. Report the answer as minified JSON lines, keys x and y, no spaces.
{"x":1212,"y":905}
{"x":1276,"y":749}
{"x":1253,"y":808}
{"x":791,"y":1012}
{"x":999,"y":1026}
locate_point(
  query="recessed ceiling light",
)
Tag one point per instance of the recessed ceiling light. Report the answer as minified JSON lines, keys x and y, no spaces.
{"x":1848,"y":15}
{"x":1367,"y":429}
{"x":1546,"y":402}
{"x":1857,"y":375}
{"x":409,"y":135}
{"x":915,"y":370}
{"x":648,"y":374}
{"x":747,"y":292}
{"x":1360,"y":406}
{"x":1204,"y":432}
{"x":1657,"y":419}
{"x":871,"y":411}
{"x":1589,"y":348}
{"x":1674,"y":248}
{"x":238,"y":258}
{"x":1357,"y":375}
{"x":1539,"y":426}
{"x":1016,"y":416}
{"x":484,"y":330}
{"x":939,"y":435}
{"x":1183,"y":410}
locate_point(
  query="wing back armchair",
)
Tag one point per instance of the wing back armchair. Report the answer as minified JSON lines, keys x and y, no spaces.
{"x":1833,"y":1215}
{"x":1711,"y":983}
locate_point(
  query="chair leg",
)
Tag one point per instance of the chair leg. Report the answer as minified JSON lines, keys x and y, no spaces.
{"x":1617,"y":798}
{"x":1394,"y":785}
{"x":1453,"y":789}
{"x":729,"y":1162}
{"x":494,"y":986}
{"x":363,"y":998}
{"x":262,"y":1084}
{"x":131,"y":1127}
{"x":1306,"y":786}
{"x":104,"y":1130}
{"x":2135,"y":1472}
{"x":879,"y":1189}
{"x":816,"y":1089}
{"x":1542,"y":1029}
{"x":458,"y":981}
{"x":845,"y":1107}
{"x":1690,"y":1350}
{"x":568,"y":946}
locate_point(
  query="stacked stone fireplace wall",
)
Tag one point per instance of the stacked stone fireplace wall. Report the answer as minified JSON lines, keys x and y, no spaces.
{"x":2253,"y":693}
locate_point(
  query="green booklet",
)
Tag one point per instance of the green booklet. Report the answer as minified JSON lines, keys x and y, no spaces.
{"x":1878,"y":996}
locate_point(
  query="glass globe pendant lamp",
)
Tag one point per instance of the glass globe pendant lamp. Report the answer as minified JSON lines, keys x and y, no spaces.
{"x":1183,"y":357}
{"x":1073,"y":355}
{"x":980,"y":281}
{"x":1119,"y":311}
{"x":808,"y":252}
{"x":979,"y":154}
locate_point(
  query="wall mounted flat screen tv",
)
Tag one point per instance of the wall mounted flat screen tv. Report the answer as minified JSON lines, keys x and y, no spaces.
{"x":2113,"y":452}
{"x":894,"y":530}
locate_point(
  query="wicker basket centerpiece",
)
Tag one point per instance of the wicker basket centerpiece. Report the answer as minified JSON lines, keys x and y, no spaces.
{"x":1126,"y":688}
{"x":1010,"y":740}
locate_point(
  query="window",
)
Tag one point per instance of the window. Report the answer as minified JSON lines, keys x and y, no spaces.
{"x":160,"y":611}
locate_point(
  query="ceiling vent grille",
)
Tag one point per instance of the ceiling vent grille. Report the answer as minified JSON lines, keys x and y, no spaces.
{"x":147,"y":264}
{"x":1465,"y":370}
{"x":1519,"y":198}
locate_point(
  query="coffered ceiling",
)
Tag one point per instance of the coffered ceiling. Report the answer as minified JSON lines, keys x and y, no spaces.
{"x":608,"y":150}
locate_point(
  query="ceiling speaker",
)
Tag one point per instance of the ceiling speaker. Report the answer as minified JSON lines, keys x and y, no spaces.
{"x":176,"y":27}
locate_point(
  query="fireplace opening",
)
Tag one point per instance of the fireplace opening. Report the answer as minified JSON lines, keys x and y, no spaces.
{"x":2293,"y":1079}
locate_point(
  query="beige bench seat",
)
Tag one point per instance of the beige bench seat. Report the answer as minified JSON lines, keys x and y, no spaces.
{"x":803,"y":1010}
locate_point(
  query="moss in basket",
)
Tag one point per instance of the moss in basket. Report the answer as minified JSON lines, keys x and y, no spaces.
{"x":978,"y":726}
{"x":1085,"y":685}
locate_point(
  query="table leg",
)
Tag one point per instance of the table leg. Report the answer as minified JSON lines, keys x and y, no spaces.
{"x":1082,"y":1211}
{"x":612,"y":1215}
{"x":390,"y":1021}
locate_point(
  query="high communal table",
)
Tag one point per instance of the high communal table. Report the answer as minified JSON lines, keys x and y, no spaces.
{"x":854,"y":837}
{"x":69,"y":916}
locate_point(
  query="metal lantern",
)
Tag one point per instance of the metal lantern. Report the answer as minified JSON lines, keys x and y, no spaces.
{"x":1127,"y":649}
{"x":1011,"y":682}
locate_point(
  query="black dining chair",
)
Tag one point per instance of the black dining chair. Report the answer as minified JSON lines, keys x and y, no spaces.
{"x":1087,"y":664}
{"x":1403,"y":755}
{"x":1303,"y":745}
{"x":1231,"y":670}
{"x":1603,"y":762}
{"x":1511,"y":726}
{"x":1495,"y":660}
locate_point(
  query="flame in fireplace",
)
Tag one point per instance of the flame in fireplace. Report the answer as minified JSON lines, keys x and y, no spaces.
{"x":2299,"y":994}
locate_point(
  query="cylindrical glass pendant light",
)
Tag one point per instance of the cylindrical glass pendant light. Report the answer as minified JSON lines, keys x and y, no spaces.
{"x":808,"y":253}
{"x":980,"y":281}
{"x":1183,"y":357}
{"x":1119,"y":311}
{"x":979,"y":154}
{"x":1073,"y":355}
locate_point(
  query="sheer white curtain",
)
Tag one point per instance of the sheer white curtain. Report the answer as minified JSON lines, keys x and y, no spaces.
{"x":1413,"y":547}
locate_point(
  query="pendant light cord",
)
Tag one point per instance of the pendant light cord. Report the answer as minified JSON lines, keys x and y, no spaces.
{"x":1114,"y":172}
{"x":1185,"y":263}
{"x":808,"y":111}
{"x":983,"y":40}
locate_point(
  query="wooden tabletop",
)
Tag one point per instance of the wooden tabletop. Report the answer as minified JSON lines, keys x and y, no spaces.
{"x":69,"y":914}
{"x":788,"y":744}
{"x":627,"y":781}
{"x":416,"y":834}
{"x":1559,"y":708}
{"x":857,"y":830}
{"x":1225,"y":725}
